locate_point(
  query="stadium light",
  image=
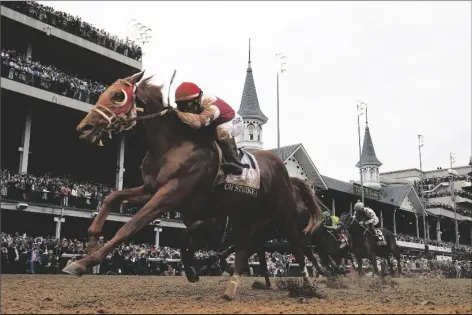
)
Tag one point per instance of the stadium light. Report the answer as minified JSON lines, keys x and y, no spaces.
{"x":281,"y":63}
{"x":452,"y":172}
{"x":361,"y":109}
{"x":139,"y":32}
{"x":420,"y":145}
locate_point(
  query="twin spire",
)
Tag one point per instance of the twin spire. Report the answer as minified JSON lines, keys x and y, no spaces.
{"x":249,"y":108}
{"x":368,"y":151}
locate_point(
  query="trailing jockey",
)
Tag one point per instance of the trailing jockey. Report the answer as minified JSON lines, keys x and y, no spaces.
{"x":372,"y":220}
{"x":331,"y":224}
{"x":198,"y":111}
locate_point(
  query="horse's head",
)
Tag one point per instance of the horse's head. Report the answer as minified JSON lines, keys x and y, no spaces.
{"x":116,"y":109}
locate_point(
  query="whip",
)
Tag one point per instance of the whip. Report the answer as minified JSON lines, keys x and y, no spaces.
{"x":168,"y":93}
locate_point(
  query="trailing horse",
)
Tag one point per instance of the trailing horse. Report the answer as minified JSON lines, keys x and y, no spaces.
{"x":180,"y":171}
{"x":365,"y":245}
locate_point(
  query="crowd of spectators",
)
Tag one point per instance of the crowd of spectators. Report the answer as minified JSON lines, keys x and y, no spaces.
{"x":62,"y":191}
{"x":462,"y":250}
{"x":19,"y":67}
{"x":75,"y":26}
{"x":442,"y":205}
{"x":47,"y":255}
{"x":447,"y":192}
{"x":26,"y":254}
{"x":430,"y":183}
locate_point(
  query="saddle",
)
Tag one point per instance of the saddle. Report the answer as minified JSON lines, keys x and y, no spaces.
{"x":380,"y":237}
{"x":337,"y":235}
{"x":248,"y":183}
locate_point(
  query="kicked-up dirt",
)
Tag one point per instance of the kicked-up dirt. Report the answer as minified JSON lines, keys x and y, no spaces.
{"x":154,"y":294}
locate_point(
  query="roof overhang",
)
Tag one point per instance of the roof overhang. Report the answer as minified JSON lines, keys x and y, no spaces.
{"x":313,"y":173}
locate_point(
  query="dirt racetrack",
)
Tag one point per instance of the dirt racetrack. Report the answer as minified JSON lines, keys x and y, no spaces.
{"x":154,"y":294}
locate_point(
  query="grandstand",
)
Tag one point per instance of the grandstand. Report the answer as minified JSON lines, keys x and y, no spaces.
{"x":55,"y":66}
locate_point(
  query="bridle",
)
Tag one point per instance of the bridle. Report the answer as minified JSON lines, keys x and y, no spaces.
{"x":120,"y":122}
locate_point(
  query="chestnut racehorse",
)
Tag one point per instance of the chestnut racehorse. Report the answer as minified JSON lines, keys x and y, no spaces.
{"x":179,"y":172}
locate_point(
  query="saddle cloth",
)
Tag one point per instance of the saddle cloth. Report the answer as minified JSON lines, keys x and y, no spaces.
{"x":248,"y":183}
{"x":381,"y":237}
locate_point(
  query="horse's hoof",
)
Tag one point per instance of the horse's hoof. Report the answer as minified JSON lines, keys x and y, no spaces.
{"x":192,"y":276}
{"x":227,"y":297}
{"x":193,"y":279}
{"x":74,"y":269}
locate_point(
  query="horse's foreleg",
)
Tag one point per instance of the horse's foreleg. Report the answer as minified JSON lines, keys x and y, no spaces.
{"x":373,"y":261}
{"x":311,"y":257}
{"x":398,"y":258}
{"x":188,"y":252}
{"x":163,"y":201}
{"x":134,"y":195}
{"x":360,"y":269}
{"x":188,"y":249}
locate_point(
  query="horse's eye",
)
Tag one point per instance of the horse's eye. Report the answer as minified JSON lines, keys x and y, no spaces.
{"x":118,"y":98}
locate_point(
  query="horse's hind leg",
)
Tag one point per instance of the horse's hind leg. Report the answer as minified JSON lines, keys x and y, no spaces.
{"x":243,"y":246}
{"x":291,"y":230}
{"x":263,"y":265}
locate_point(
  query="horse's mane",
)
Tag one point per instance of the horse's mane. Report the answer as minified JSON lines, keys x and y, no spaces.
{"x":151,"y":92}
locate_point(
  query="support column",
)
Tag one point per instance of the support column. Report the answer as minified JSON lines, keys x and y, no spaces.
{"x":350,"y":207}
{"x":394,"y":221}
{"x":59,"y":221}
{"x":427,"y":230}
{"x":29,"y":51}
{"x":25,"y":144}
{"x":120,"y":160}
{"x":417,"y":226}
{"x":333,"y":207}
{"x":158,"y":230}
{"x":438,"y":229}
{"x":381,"y":219}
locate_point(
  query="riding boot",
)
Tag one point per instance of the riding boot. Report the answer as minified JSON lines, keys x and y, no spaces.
{"x":374,"y":232}
{"x":231,"y":163}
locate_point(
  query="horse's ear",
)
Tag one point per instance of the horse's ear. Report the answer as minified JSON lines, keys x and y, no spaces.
{"x":135,"y":78}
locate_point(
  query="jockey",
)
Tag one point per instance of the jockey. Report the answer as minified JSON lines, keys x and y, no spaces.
{"x":372,"y":219}
{"x":198,"y":111}
{"x":331,"y":221}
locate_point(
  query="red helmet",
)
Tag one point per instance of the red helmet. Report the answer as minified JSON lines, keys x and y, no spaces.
{"x":187,"y":91}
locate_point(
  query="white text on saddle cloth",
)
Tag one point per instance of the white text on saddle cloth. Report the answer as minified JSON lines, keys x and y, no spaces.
{"x":250,"y":177}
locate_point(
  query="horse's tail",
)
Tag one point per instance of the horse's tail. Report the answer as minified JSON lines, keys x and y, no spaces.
{"x":312,"y":203}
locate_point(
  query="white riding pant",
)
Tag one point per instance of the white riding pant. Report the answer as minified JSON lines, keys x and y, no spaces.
{"x":230,"y":129}
{"x":374,"y":221}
